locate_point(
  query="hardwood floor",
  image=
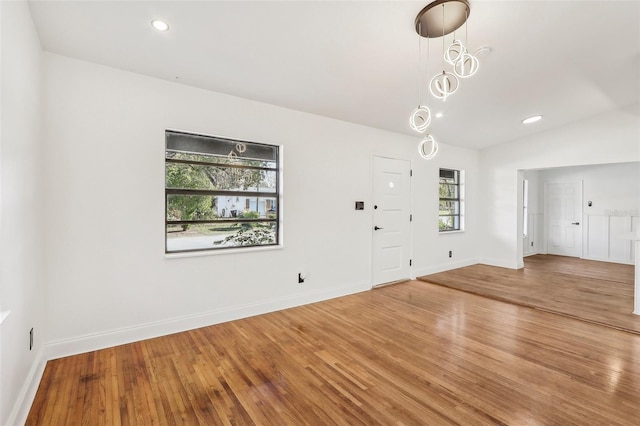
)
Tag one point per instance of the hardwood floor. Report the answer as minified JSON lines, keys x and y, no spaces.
{"x":412,"y":353}
{"x":598,"y":292}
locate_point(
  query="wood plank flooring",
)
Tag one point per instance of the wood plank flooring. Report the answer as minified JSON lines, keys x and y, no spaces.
{"x":409,"y":354}
{"x":599,"y":292}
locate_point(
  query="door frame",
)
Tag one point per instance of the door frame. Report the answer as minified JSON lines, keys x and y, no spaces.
{"x":371,"y":222}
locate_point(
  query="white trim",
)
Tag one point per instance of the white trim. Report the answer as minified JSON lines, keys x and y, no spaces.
{"x":462,"y":199}
{"x":445,"y":267}
{"x":610,"y":237}
{"x":218,"y":252}
{"x":96,"y":341}
{"x":20,"y":410}
{"x":4,"y":315}
{"x":500,"y":263}
{"x":532,"y":254}
{"x":412,"y":238}
{"x":636,"y":291}
{"x":221,"y":251}
{"x":599,"y":259}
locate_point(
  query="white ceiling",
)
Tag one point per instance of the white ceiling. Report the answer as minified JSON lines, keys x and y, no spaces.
{"x":358,"y":60}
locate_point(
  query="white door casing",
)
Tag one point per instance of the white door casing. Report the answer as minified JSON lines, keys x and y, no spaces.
{"x":391,"y":220}
{"x":564,"y":218}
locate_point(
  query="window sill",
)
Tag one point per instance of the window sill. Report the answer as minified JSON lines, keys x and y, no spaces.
{"x":220,"y":252}
{"x":460,"y":231}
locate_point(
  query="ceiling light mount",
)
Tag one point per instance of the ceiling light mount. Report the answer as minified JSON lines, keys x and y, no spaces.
{"x":430,"y":24}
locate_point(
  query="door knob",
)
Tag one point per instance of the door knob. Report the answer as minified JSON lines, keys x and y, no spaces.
{"x":375,"y":228}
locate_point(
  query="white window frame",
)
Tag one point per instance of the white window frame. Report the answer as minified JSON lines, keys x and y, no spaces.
{"x":274,"y":216}
{"x":460,"y":174}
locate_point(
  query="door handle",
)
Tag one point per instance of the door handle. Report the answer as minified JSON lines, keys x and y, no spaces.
{"x":375,"y":228}
{"x":575,"y":223}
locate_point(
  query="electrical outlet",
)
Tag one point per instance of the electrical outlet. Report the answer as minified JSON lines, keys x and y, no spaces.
{"x":531,"y":243}
{"x":450,"y":253}
{"x":301,"y":277}
{"x":31,"y":339}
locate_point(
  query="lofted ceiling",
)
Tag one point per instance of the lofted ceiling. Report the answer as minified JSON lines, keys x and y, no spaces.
{"x":357,"y":61}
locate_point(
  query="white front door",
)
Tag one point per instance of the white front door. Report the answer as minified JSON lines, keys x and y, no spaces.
{"x":564,"y":218}
{"x":391,"y":220}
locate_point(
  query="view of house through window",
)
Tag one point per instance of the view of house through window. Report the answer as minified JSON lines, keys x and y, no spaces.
{"x":450,"y":218}
{"x":220,"y":193}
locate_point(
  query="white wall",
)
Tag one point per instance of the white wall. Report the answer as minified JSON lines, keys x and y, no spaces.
{"x":21,"y":208}
{"x":608,"y":138}
{"x":431,"y":253}
{"x":108,"y":278}
{"x":611,"y":187}
{"x":614,"y":190}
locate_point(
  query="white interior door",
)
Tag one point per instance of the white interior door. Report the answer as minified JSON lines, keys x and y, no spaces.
{"x":391,"y":220}
{"x":564,"y":218}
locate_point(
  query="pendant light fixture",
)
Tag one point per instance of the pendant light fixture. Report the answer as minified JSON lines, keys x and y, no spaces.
{"x":437,"y":19}
{"x":465,"y":64}
{"x":445,"y":84}
{"x":428,"y":147}
{"x":421,"y":116}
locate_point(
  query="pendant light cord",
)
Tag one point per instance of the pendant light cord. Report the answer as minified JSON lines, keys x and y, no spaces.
{"x":443,"y":38}
{"x":428,"y":57}
{"x":466,"y":27}
{"x":419,"y":64}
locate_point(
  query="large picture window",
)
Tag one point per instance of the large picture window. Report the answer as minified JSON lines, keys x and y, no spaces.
{"x":450,"y":218}
{"x":220,"y":193}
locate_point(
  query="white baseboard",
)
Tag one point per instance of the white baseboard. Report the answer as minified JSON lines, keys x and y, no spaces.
{"x":501,"y":263}
{"x":20,"y":410}
{"x":445,"y":267}
{"x":599,"y":259}
{"x":92,"y":342}
{"x":96,"y":341}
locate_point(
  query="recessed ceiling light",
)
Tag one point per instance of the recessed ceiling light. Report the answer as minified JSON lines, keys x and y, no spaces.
{"x":532,"y":119}
{"x":439,"y":115}
{"x":484,"y":51}
{"x":160,"y":25}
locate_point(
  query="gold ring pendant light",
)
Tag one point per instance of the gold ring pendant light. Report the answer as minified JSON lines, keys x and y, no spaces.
{"x":438,"y":19}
